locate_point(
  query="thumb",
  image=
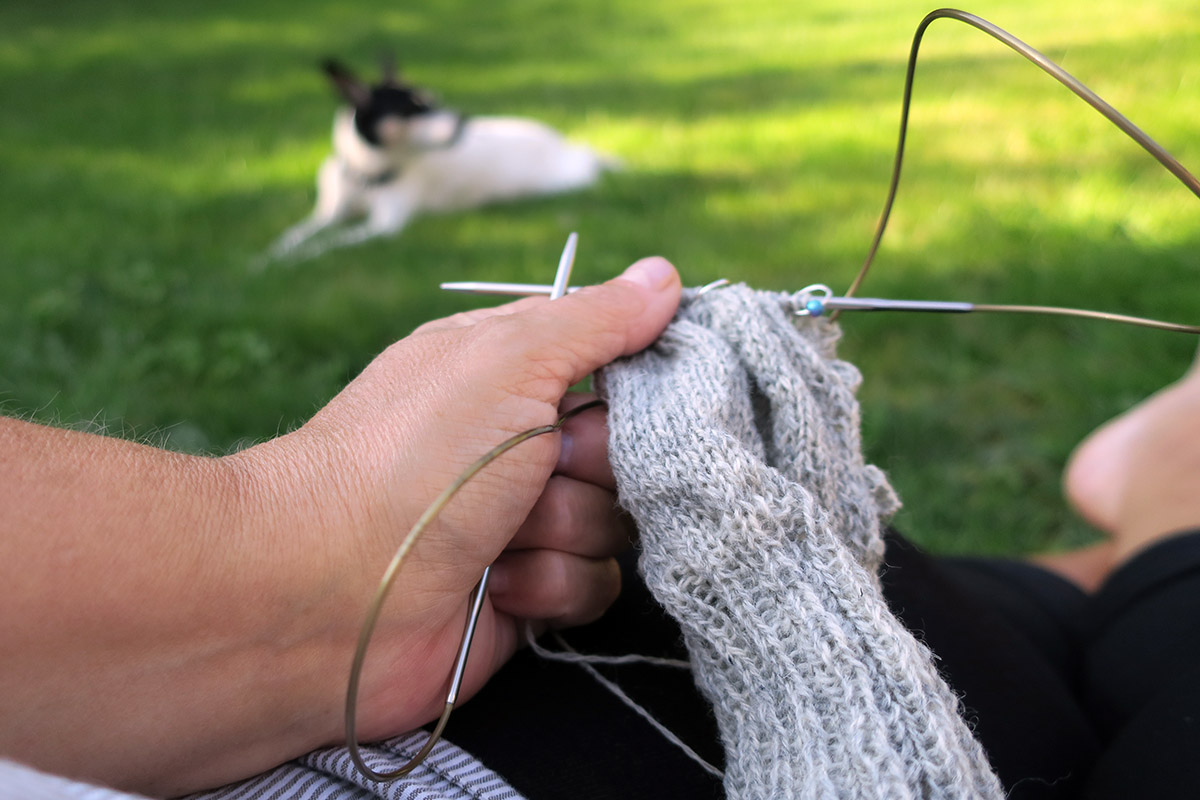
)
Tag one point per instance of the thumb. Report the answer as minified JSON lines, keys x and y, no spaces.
{"x":581,"y":332}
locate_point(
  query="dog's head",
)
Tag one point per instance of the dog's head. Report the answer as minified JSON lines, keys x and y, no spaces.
{"x":392,"y":114}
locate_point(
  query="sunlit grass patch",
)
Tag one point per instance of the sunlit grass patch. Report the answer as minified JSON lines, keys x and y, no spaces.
{"x":152,"y":151}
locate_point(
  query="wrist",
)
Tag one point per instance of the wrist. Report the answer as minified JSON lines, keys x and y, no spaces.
{"x":287,"y":582}
{"x":236,"y":657}
{"x":310,"y":538}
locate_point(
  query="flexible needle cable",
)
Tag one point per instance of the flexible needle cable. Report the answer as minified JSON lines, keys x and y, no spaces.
{"x":385,"y":586}
{"x":1046,"y":65}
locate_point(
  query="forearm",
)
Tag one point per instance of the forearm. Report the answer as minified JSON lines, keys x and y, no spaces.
{"x":179,"y":622}
{"x":133,"y":645}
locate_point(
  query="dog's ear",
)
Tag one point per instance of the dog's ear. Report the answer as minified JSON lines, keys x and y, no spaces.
{"x":357,"y":93}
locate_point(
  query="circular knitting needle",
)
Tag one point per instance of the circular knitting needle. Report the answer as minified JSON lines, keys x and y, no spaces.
{"x":561,"y":278}
{"x":514,"y":289}
{"x":817,"y":299}
{"x":1168,"y":161}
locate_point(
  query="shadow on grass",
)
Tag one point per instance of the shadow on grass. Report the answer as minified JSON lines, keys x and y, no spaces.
{"x":160,"y":147}
{"x":974,"y":416}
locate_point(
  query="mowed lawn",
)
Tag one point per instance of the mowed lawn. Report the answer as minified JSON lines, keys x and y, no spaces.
{"x":151,"y":151}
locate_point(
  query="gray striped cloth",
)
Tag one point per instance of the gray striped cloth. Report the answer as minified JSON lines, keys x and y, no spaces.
{"x":449,"y":773}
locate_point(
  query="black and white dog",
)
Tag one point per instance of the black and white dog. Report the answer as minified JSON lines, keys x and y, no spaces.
{"x":397,"y":154}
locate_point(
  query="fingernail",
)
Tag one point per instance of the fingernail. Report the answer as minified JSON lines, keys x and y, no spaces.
{"x":653,"y":273}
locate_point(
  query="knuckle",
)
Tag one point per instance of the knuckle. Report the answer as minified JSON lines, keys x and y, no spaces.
{"x":613,"y":305}
{"x":531,"y":363}
{"x":555,"y":586}
{"x":561,"y":513}
{"x":453,"y":321}
{"x":504,"y":333}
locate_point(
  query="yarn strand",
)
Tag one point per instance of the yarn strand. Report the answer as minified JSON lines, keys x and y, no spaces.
{"x":736,"y":447}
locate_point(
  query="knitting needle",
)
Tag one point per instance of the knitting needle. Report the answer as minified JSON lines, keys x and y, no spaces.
{"x":562,"y":277}
{"x":559,"y":288}
{"x":553,"y":291}
{"x":565,"y":262}
{"x":816,"y":300}
{"x":532,"y":289}
{"x":556,"y":290}
{"x":515,"y":289}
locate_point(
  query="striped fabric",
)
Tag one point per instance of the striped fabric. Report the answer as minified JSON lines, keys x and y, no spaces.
{"x":449,"y":773}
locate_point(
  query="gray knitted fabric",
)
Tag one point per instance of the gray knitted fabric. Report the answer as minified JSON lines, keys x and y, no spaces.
{"x":735,"y":441}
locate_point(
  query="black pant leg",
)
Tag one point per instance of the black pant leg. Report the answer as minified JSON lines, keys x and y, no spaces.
{"x":554,"y":733}
{"x":1046,"y":608}
{"x":1025,"y":711}
{"x":1142,"y":674}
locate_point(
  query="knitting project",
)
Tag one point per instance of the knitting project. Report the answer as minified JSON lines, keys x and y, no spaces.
{"x":736,"y":446}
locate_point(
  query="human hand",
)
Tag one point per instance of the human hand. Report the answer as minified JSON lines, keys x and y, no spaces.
{"x":335,"y":497}
{"x":174,"y":622}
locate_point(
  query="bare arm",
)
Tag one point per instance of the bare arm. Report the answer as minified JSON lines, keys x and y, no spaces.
{"x":173,"y":622}
{"x":124,"y":567}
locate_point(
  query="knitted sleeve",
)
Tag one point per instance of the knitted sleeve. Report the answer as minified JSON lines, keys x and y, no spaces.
{"x":735,"y":441}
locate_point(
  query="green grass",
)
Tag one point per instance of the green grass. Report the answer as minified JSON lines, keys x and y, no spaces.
{"x":149,"y":151}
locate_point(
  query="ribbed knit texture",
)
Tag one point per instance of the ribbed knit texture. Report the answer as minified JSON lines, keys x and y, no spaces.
{"x":735,"y":441}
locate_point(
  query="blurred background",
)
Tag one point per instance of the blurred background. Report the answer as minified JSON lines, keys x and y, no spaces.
{"x":151,"y":151}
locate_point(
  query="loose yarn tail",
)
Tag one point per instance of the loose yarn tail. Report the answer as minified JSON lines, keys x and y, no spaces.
{"x":570,"y":656}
